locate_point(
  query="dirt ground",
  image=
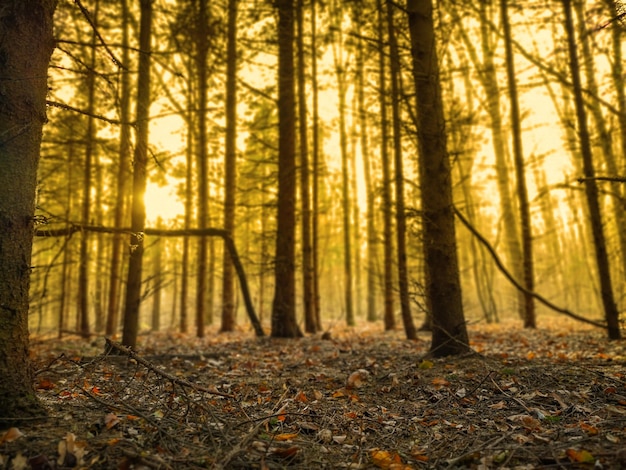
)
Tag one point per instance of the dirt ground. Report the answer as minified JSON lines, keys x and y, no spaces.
{"x":550,"y":398}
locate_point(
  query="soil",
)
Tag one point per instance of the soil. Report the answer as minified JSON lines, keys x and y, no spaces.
{"x":361,"y":399}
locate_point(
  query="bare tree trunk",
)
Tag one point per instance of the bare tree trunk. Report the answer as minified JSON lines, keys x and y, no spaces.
{"x":230,"y":167}
{"x":403,"y":275}
{"x":284,"y":304}
{"x":123,"y":173}
{"x":316,"y":169}
{"x":83,"y":267}
{"x":202,"y":48}
{"x":185,"y":268}
{"x":591,"y":189}
{"x":138,"y":209}
{"x":367,"y":164}
{"x":388,"y":314}
{"x":443,"y":288}
{"x":310,"y":322}
{"x":26,"y":42}
{"x":518,"y":157}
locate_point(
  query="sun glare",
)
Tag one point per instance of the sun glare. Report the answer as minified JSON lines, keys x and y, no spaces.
{"x":162,"y":201}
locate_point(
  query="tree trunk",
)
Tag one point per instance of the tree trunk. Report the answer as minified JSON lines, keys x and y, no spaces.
{"x":123,"y":173}
{"x":443,"y":288}
{"x":403,"y":275}
{"x":518,"y":157}
{"x":26,"y":43}
{"x":310,"y":321}
{"x":90,"y":135}
{"x":230,"y":167}
{"x":284,"y":304}
{"x":591,"y":189}
{"x":367,"y":171}
{"x":138,"y":209}
{"x":388,"y":314}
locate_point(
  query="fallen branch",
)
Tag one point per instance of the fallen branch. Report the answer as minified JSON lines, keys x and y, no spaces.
{"x":123,"y":350}
{"x":514,"y":281}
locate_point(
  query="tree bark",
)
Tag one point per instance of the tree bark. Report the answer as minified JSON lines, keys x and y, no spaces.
{"x":443,"y":287}
{"x":388,"y":314}
{"x":518,"y":157}
{"x":138,"y":209}
{"x":230,"y":167}
{"x":284,"y":304}
{"x":26,"y":43}
{"x":403,"y":275}
{"x":591,"y":189}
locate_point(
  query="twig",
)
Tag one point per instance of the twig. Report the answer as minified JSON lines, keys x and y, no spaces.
{"x":185,"y":383}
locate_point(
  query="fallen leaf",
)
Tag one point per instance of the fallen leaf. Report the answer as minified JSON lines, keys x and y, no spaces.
{"x":45,"y":384}
{"x":11,"y":435}
{"x":110,"y":420}
{"x":425,"y":364}
{"x":580,"y":456}
{"x":285,"y":453}
{"x":286,"y":436}
{"x":357,"y":378}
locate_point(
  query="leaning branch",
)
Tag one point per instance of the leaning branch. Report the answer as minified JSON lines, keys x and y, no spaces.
{"x":614,"y":179}
{"x":204,"y":232}
{"x":513,"y":281}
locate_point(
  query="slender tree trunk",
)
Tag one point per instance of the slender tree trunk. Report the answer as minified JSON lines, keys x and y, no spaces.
{"x":90,"y":135}
{"x":310,"y":322}
{"x":202,"y":48}
{"x":316,"y":169}
{"x":157,"y":278}
{"x":388,"y":315}
{"x":443,"y":288}
{"x":26,"y":42}
{"x":230,"y":167}
{"x":123,"y":173}
{"x":284,"y":304}
{"x":591,"y":188}
{"x":403,"y":276}
{"x":518,"y":156}
{"x":138,"y":209}
{"x":367,"y":171}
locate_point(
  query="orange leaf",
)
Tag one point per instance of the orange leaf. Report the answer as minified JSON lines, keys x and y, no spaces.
{"x":45,"y":384}
{"x":285,"y":453}
{"x":286,"y":436}
{"x":13,"y":434}
{"x":280,"y":417}
{"x":301,"y":397}
{"x":591,"y":430}
{"x":440,"y":382}
{"x":530,"y":355}
{"x":582,"y":456}
{"x":386,"y":460}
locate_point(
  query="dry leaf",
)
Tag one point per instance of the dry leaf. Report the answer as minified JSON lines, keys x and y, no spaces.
{"x":285,"y":453}
{"x":286,"y":436}
{"x":111,"y":420}
{"x":580,"y":456}
{"x":357,"y":378}
{"x":11,"y":435}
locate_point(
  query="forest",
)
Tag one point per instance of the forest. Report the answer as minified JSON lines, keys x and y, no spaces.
{"x":312,"y":234}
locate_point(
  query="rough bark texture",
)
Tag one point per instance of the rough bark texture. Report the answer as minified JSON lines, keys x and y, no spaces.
{"x":443,"y":287}
{"x":284,"y":304}
{"x":26,"y":43}
{"x":591,"y":189}
{"x":138,"y":209}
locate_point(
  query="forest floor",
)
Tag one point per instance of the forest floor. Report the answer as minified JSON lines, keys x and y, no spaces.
{"x":550,"y":398}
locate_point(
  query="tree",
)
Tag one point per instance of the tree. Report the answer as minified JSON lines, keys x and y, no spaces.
{"x":26,"y":44}
{"x":230,"y":164}
{"x":443,"y":285}
{"x":138,"y":209}
{"x":518,"y":157}
{"x":284,"y":304}
{"x":591,"y":188}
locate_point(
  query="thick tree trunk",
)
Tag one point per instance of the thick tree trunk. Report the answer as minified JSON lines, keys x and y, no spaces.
{"x":138,"y":209}
{"x":443,"y":287}
{"x":591,"y":189}
{"x":284,"y":304}
{"x":230,"y":167}
{"x":26,"y":43}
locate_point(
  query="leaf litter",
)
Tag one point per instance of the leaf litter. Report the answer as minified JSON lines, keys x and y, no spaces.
{"x":364,"y":399}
